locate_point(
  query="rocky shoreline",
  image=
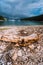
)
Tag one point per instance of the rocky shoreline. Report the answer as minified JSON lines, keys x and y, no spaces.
{"x":31,"y":54}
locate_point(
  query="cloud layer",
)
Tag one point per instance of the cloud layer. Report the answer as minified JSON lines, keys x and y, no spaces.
{"x":21,"y":7}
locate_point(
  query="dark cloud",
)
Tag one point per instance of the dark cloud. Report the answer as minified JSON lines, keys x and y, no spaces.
{"x":19,"y":7}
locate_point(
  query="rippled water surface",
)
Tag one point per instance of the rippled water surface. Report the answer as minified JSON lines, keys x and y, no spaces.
{"x":18,"y":22}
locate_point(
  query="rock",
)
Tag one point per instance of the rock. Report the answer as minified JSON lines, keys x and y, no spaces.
{"x":24,"y":49}
{"x":39,"y":47}
{"x":1,"y":54}
{"x":3,"y":47}
{"x":33,"y":37}
{"x":11,"y":55}
{"x":23,"y":33}
{"x":10,"y":38}
{"x":31,"y":46}
{"x":40,"y":63}
{"x":12,"y":52}
{"x":31,"y":63}
{"x":20,"y":40}
{"x":14,"y":57}
{"x":19,"y":53}
{"x":0,"y":36}
{"x":9,"y":63}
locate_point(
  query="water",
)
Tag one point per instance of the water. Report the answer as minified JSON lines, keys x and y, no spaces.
{"x":18,"y":22}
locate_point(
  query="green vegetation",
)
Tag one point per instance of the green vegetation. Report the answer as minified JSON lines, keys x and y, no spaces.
{"x":2,"y":18}
{"x":34,"y":18}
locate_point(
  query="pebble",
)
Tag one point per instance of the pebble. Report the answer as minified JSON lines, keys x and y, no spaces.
{"x":39,"y":47}
{"x":9,"y":63}
{"x":31,"y":46}
{"x":2,"y":48}
{"x":40,"y":63}
{"x":23,"y":56}
{"x":24,"y":49}
{"x":14,"y":57}
{"x":19,"y":53}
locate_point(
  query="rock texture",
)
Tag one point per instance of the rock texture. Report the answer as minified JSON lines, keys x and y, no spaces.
{"x":16,"y":53}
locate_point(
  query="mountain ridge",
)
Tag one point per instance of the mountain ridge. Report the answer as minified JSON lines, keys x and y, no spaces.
{"x":34,"y":18}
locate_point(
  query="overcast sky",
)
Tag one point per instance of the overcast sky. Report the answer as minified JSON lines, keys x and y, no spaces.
{"x":21,"y":7}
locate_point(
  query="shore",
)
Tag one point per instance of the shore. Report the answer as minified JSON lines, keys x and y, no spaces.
{"x":21,"y":53}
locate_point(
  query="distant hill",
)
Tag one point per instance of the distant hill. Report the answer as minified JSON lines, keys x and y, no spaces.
{"x":2,"y":18}
{"x":35,"y":18}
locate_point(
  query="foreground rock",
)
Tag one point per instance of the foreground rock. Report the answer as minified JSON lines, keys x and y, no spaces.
{"x":31,"y":54}
{"x":20,"y":40}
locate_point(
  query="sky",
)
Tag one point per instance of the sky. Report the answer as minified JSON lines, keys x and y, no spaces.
{"x":26,"y":8}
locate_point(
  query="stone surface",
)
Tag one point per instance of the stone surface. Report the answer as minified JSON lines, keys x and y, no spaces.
{"x":19,"y":53}
{"x":31,"y":54}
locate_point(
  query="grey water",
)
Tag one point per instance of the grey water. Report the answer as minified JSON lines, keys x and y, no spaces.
{"x":20,"y":23}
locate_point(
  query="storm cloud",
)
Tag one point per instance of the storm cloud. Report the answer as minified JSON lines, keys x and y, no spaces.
{"x":21,"y":7}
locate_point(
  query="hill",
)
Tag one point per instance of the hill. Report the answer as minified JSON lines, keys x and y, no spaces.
{"x":34,"y":18}
{"x":2,"y":18}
